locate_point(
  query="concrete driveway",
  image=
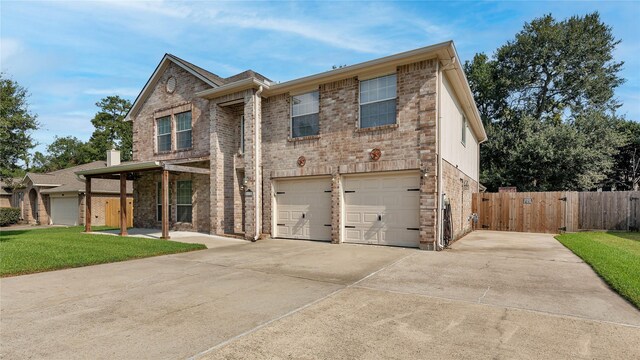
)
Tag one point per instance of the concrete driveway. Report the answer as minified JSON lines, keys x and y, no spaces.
{"x":494,"y":295}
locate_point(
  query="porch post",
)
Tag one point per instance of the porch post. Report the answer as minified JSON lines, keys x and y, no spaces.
{"x":87,"y":205}
{"x":123,"y":204}
{"x":165,"y":204}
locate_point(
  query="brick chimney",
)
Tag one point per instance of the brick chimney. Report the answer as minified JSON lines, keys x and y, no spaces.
{"x":113,"y":157}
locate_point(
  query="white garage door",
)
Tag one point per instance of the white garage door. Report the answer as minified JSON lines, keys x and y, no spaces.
{"x":64,"y":210}
{"x":383,"y":209}
{"x":303,"y":208}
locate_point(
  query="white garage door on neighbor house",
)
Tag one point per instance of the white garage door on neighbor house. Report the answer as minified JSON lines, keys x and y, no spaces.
{"x":64,"y":210}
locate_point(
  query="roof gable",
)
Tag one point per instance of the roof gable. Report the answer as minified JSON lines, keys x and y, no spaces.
{"x":207,"y":77}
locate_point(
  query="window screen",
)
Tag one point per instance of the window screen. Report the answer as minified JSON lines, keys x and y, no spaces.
{"x":304,"y":114}
{"x":164,"y":133}
{"x":183,"y":130}
{"x":378,"y":101}
{"x":184,"y":201}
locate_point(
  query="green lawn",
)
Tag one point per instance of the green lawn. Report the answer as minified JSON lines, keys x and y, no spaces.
{"x":615,"y":256}
{"x":30,"y":251}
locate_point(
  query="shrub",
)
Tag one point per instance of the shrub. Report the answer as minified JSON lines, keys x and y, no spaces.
{"x":9,"y":216}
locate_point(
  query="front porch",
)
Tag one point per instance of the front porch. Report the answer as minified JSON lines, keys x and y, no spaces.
{"x":162,"y":208}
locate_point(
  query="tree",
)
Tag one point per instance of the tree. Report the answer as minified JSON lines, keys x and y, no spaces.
{"x":111,"y":131}
{"x":626,"y":173}
{"x":546,"y":99}
{"x":65,"y":152}
{"x":16,"y":125}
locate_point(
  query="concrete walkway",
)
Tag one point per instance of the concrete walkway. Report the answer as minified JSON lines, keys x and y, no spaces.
{"x":493,"y":295}
{"x":210,"y":241}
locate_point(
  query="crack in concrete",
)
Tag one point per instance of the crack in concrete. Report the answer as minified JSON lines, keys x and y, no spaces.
{"x":484,"y":294}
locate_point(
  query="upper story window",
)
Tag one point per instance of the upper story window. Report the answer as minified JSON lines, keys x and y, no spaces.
{"x":174,"y":122}
{"x":378,"y":101}
{"x":464,"y":131}
{"x":164,"y":133}
{"x":305,"y":119}
{"x":183,"y":130}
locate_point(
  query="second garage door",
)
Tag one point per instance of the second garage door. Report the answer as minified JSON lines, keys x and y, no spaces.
{"x":382,"y":209}
{"x":303,"y":208}
{"x":64,"y":210}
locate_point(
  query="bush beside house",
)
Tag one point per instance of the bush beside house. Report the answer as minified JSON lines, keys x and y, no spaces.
{"x":9,"y":216}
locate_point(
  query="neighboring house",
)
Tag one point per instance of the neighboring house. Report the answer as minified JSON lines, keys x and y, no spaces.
{"x":7,"y":192}
{"x":58,"y":197}
{"x":362,"y":154}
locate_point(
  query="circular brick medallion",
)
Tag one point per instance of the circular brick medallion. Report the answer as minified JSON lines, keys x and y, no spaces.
{"x":171,"y":84}
{"x":301,"y":161}
{"x":375,"y":154}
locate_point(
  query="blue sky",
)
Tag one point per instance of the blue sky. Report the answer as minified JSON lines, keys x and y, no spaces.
{"x":71,"y":54}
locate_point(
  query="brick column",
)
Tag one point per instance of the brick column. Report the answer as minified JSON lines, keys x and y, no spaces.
{"x":252,"y":164}
{"x":336,"y":203}
{"x":216,"y":178}
{"x":428,"y":157}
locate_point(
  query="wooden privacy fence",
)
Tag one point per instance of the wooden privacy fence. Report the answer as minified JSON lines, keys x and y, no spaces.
{"x":112,"y":212}
{"x":553,"y":212}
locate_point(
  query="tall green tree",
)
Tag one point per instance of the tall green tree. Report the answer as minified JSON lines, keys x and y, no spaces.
{"x":547,"y":101}
{"x":111,"y":131}
{"x":16,"y":125}
{"x":626,"y":170}
{"x":65,"y":152}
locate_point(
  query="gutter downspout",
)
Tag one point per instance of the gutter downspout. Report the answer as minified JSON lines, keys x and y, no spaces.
{"x":257,"y":154}
{"x":439,"y":233}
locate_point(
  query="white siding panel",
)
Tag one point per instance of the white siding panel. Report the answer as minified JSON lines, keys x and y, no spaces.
{"x":464,"y":156}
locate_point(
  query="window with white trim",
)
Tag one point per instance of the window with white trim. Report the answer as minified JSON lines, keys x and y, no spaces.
{"x":305,"y":117}
{"x":163,"y":131}
{"x":184,"y":201}
{"x":378,"y":101}
{"x":183,"y":130}
{"x":464,"y":130}
{"x":159,"y":202}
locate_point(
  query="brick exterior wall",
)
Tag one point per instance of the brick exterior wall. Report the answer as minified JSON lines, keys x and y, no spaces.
{"x":459,"y":197}
{"x":5,"y":201}
{"x":160,"y":103}
{"x":220,"y":201}
{"x":145,"y":213}
{"x":343,"y":148}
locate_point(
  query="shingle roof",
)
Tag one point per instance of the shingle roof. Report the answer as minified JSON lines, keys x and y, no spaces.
{"x":207,"y":74}
{"x":247,"y":74}
{"x":65,"y":180}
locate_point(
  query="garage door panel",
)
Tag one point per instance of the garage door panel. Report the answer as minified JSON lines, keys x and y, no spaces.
{"x":303,"y":208}
{"x":390,"y":195}
{"x":64,"y":210}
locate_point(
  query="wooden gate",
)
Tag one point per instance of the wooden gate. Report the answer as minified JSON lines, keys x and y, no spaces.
{"x":112,"y":212}
{"x":539,"y":212}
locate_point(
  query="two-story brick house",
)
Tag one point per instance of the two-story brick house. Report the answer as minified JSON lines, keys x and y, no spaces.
{"x":367,"y":153}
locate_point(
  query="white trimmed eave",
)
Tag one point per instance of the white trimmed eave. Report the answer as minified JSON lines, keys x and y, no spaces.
{"x":234,"y":87}
{"x":458,"y":80}
{"x":153,"y":81}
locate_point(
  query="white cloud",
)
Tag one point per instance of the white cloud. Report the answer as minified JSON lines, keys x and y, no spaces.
{"x":10,"y":48}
